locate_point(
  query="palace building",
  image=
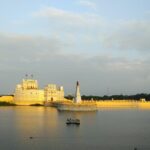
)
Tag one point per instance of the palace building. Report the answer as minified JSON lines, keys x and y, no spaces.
{"x":53,"y":93}
{"x":28,"y":93}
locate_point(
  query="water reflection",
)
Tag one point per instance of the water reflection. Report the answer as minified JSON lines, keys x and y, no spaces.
{"x":79,"y":115}
{"x":113,"y":129}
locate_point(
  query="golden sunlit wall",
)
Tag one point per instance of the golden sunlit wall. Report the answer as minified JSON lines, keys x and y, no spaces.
{"x":27,"y":93}
{"x":9,"y":99}
{"x":53,"y":93}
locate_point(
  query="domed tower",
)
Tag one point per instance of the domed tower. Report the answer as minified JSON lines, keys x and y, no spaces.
{"x":77,"y":94}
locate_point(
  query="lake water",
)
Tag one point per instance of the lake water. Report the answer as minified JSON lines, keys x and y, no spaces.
{"x":107,"y":129}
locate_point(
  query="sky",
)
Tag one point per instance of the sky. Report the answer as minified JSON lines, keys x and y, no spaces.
{"x":104,"y":44}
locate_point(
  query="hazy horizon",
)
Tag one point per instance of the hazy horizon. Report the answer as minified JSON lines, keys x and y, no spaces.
{"x":102,"y":43}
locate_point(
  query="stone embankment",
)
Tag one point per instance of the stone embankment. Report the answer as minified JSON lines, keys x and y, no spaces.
{"x":123,"y":104}
{"x":107,"y":104}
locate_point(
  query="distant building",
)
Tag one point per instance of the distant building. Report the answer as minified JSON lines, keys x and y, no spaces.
{"x":28,"y":93}
{"x":53,"y":93}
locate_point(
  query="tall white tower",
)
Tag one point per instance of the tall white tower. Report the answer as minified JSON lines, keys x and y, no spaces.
{"x":77,"y":94}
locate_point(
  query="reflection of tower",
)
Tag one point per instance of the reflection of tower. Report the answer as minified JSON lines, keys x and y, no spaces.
{"x":77,"y":94}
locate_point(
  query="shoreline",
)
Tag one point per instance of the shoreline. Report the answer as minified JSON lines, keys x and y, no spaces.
{"x":100,"y":104}
{"x":4,"y":103}
{"x":105,"y":104}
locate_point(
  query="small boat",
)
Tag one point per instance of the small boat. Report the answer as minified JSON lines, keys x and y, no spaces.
{"x":73,"y":121}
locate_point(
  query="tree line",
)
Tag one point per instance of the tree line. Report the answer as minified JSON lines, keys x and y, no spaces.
{"x":142,"y":96}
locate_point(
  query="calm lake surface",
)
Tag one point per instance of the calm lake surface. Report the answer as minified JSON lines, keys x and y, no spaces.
{"x":107,"y":129}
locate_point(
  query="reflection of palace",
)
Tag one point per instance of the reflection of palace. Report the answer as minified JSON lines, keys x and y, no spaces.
{"x":28,"y":93}
{"x":41,"y":124}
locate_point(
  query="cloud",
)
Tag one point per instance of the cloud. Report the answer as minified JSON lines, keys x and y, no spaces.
{"x":130,"y":35}
{"x":68,"y":17}
{"x":47,"y":58}
{"x":110,"y":63}
{"x":78,"y":46}
{"x":88,"y":4}
{"x":28,"y":48}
